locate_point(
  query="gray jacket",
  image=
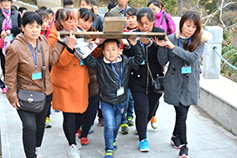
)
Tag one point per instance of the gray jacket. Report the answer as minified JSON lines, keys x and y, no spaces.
{"x":182,"y":88}
{"x":116,"y":11}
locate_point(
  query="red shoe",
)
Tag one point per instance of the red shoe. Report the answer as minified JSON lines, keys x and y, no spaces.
{"x":79,"y":133}
{"x":84,"y":141}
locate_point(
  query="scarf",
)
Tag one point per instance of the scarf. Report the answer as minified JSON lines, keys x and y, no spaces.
{"x":6,"y":25}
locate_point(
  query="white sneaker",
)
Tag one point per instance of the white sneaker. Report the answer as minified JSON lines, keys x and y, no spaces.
{"x":73,"y":151}
{"x":78,"y":141}
{"x":37,"y":152}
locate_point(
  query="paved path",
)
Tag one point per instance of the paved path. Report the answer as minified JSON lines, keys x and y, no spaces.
{"x":206,"y":138}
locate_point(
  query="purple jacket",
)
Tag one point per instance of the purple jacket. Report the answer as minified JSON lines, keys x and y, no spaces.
{"x":171,"y":24}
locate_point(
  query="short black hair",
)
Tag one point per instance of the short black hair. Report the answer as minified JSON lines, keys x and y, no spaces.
{"x":94,"y":3}
{"x":145,"y":11}
{"x":131,"y":12}
{"x":21,"y":9}
{"x":156,"y":3}
{"x":67,"y":2}
{"x":43,"y":14}
{"x":30,"y":17}
{"x":110,"y":40}
{"x":86,"y":14}
{"x":49,"y":11}
{"x":14,"y":7}
{"x":43,"y":8}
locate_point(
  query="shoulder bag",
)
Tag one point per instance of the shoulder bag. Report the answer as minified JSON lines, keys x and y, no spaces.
{"x":30,"y":100}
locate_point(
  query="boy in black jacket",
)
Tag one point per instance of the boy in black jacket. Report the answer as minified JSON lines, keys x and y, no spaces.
{"x":112,"y":77}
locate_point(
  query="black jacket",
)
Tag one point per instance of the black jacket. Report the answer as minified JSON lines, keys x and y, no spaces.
{"x":16,"y":22}
{"x":107,"y":79}
{"x":98,"y":23}
{"x":140,"y":79}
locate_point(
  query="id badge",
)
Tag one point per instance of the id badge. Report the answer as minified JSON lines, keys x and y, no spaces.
{"x":36,"y":75}
{"x":120,"y":91}
{"x":143,"y":62}
{"x":186,"y":70}
{"x":81,"y":62}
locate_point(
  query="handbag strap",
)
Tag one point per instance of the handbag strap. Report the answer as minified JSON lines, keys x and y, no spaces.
{"x":148,"y":67}
{"x":43,"y":67}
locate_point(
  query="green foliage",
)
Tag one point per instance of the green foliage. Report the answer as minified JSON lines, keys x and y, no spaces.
{"x":170,"y":7}
{"x":230,"y":54}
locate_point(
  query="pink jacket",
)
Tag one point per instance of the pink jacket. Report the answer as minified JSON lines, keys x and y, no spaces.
{"x":171,"y":24}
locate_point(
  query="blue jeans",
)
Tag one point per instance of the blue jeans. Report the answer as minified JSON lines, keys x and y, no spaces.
{"x":128,"y":107}
{"x":112,"y":119}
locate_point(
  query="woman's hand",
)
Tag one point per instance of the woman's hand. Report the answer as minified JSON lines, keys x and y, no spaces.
{"x":16,"y":105}
{"x":71,"y":40}
{"x":99,"y":41}
{"x":145,"y":41}
{"x":124,"y":42}
{"x":163,"y":43}
{"x":8,"y":32}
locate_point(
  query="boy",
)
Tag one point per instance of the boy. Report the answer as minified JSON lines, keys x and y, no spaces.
{"x":132,"y":25}
{"x":112,"y":77}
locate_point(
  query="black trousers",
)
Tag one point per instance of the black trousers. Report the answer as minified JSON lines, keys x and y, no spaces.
{"x":33,"y":130}
{"x":2,"y":57}
{"x":144,"y":105}
{"x":71,"y":123}
{"x":88,"y":116}
{"x":180,"y":127}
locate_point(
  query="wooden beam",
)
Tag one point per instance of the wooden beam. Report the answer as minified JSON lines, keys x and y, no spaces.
{"x":114,"y":35}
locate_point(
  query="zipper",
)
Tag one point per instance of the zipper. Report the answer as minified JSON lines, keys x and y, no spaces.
{"x":147,"y":74}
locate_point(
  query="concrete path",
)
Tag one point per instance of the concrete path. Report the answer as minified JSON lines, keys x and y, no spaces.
{"x":206,"y":138}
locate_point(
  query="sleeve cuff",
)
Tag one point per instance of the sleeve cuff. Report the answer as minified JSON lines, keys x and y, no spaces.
{"x":61,"y":43}
{"x":70,"y":50}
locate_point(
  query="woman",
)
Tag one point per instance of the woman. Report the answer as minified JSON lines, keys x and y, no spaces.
{"x":70,"y":81}
{"x":162,"y":19}
{"x":183,"y":50}
{"x":10,"y":25}
{"x":145,"y":99}
{"x":85,"y":24}
{"x":20,"y":69}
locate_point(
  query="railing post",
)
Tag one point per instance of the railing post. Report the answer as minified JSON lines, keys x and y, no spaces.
{"x":211,"y":61}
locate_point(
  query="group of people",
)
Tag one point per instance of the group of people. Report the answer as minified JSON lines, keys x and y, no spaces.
{"x":115,"y":77}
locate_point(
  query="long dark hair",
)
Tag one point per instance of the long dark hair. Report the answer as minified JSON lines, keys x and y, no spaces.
{"x":156,"y":3}
{"x":196,"y":37}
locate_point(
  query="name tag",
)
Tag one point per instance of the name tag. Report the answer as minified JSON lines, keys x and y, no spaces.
{"x":143,"y":62}
{"x":120,"y":91}
{"x":186,"y":70}
{"x":36,"y":75}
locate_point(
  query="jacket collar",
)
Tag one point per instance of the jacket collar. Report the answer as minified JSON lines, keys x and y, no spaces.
{"x":119,"y":59}
{"x":206,"y":36}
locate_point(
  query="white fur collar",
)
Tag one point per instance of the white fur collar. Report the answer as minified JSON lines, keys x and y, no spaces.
{"x":119,"y":59}
{"x":206,"y":36}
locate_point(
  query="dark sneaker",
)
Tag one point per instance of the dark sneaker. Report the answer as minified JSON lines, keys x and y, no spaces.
{"x":130,"y":121}
{"x":183,"y":153}
{"x":124,"y":128}
{"x":175,"y":142}
{"x":109,"y":154}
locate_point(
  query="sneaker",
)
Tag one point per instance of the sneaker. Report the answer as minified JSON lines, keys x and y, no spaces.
{"x":48,"y":122}
{"x":115,"y":145}
{"x":79,"y":132}
{"x":73,"y":152}
{"x":78,"y":141}
{"x":175,"y":142}
{"x":109,"y":154}
{"x":37,"y":152}
{"x":4,"y":90}
{"x":154,"y":123}
{"x":84,"y":141}
{"x":183,"y":152}
{"x":91,"y":129}
{"x":130,"y":121}
{"x":143,"y":145}
{"x":101,"y":122}
{"x":124,"y":128}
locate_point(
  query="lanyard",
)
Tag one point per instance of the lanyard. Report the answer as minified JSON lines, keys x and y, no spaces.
{"x":181,"y":47}
{"x":119,"y":78}
{"x":93,"y":24}
{"x":34,"y":56}
{"x":188,"y":42}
